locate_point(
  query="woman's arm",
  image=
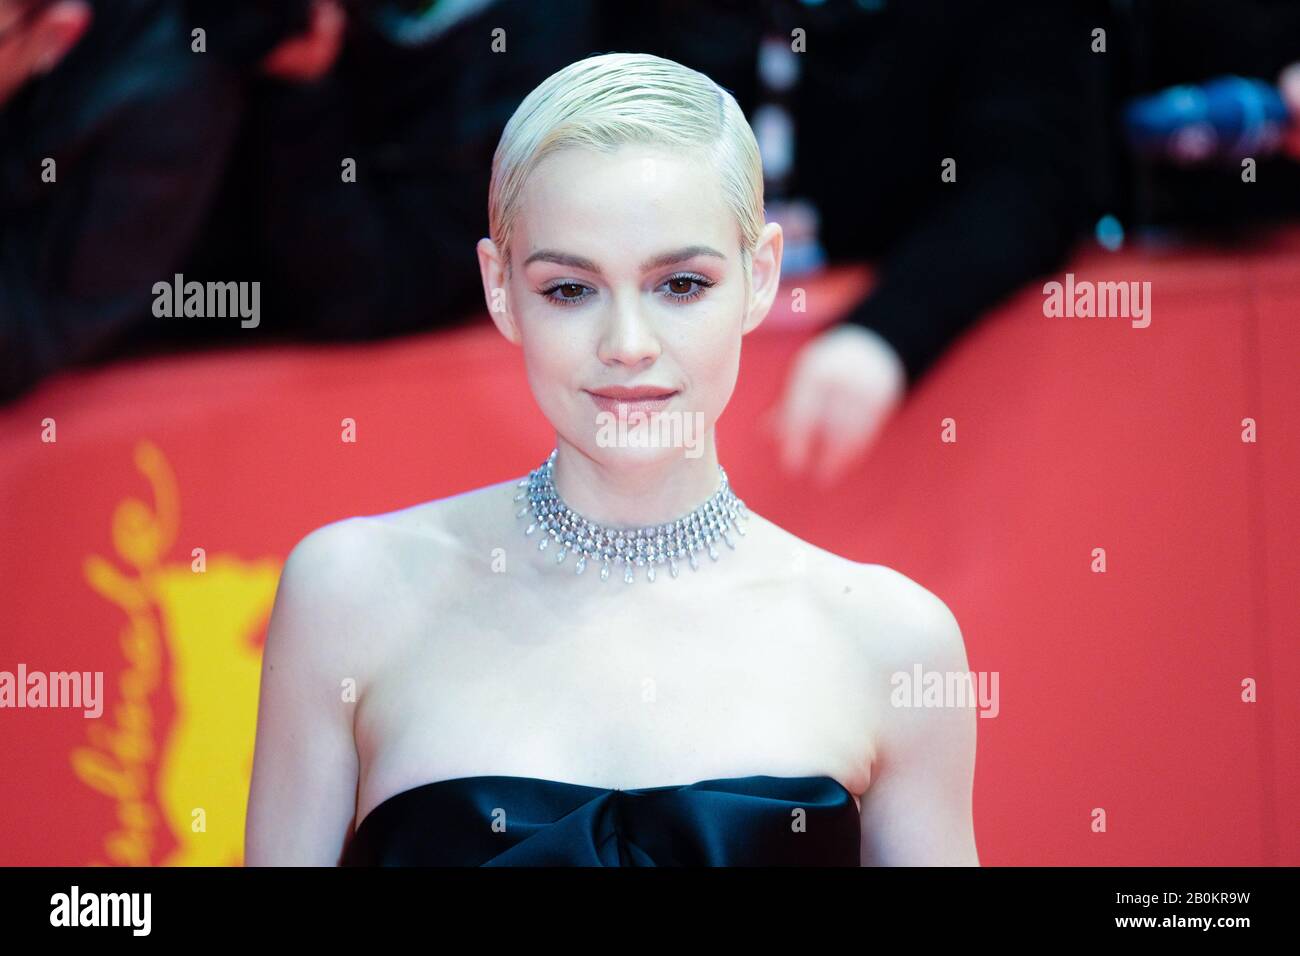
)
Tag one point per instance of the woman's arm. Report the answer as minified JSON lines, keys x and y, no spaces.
{"x":302,"y":799}
{"x":917,"y":809}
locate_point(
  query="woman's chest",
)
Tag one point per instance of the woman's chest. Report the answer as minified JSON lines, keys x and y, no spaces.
{"x":620,"y":700}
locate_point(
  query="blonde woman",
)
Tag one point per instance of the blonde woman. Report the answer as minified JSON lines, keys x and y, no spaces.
{"x":611,"y":660}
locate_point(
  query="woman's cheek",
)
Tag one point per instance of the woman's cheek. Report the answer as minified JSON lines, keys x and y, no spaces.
{"x":711,"y":361}
{"x":546,"y":380}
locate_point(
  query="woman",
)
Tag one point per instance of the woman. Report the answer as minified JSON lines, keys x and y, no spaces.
{"x":484,"y":679}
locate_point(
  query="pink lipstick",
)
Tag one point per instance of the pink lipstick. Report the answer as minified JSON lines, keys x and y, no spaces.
{"x":622,"y":400}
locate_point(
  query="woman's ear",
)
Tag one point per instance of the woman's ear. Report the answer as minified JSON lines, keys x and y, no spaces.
{"x":766,"y":271}
{"x":493,"y":272}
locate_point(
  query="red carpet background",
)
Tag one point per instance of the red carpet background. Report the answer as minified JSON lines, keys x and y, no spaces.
{"x":1120,"y":691}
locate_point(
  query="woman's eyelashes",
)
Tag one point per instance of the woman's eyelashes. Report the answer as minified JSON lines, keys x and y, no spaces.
{"x":677,"y":289}
{"x":689,"y":278}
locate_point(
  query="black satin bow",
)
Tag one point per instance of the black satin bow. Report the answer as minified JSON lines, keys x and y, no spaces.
{"x":526,"y":821}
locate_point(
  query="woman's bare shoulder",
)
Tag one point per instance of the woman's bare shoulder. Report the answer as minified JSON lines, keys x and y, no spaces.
{"x":878,"y":602}
{"x":371,"y":543}
{"x":345,"y":582}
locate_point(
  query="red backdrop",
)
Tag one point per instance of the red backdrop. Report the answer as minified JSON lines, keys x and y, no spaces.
{"x":1120,"y":691}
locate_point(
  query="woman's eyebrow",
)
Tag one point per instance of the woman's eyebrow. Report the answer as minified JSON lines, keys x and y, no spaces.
{"x":655,"y":262}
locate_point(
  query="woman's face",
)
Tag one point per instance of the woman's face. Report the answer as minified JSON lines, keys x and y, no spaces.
{"x":627,"y":274}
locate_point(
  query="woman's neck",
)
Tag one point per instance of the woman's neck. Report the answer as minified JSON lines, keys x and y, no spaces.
{"x":637,"y":491}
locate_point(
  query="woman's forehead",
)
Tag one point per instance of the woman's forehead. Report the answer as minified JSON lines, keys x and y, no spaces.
{"x":637,"y":201}
{"x":629,"y":174}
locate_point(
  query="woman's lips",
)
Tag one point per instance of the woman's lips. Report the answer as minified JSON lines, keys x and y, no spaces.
{"x":625,"y":406}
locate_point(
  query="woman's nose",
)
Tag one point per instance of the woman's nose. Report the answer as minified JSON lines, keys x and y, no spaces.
{"x":628,"y":336}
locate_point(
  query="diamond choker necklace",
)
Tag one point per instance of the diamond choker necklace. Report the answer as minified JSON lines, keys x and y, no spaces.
{"x":648,"y":547}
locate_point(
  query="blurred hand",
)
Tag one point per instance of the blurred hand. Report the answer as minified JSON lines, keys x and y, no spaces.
{"x":309,"y":56}
{"x":35,"y":39}
{"x":1288,"y":84}
{"x":844,"y":386}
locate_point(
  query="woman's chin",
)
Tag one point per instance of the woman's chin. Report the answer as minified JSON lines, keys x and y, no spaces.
{"x":632,"y":455}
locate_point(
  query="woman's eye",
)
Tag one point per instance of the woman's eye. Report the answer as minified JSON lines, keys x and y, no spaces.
{"x":679,"y":287}
{"x":566,"y":293}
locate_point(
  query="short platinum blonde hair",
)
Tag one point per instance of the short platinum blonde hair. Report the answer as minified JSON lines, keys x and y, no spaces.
{"x":605,"y":101}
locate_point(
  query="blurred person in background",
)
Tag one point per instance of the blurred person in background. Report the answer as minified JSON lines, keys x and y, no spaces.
{"x":960,"y":146}
{"x":355,"y":197}
{"x":105,"y":176}
{"x":116,"y":126}
{"x":1208,"y":84}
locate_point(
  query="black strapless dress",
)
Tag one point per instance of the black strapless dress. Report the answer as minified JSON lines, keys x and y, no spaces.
{"x":527,"y":821}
